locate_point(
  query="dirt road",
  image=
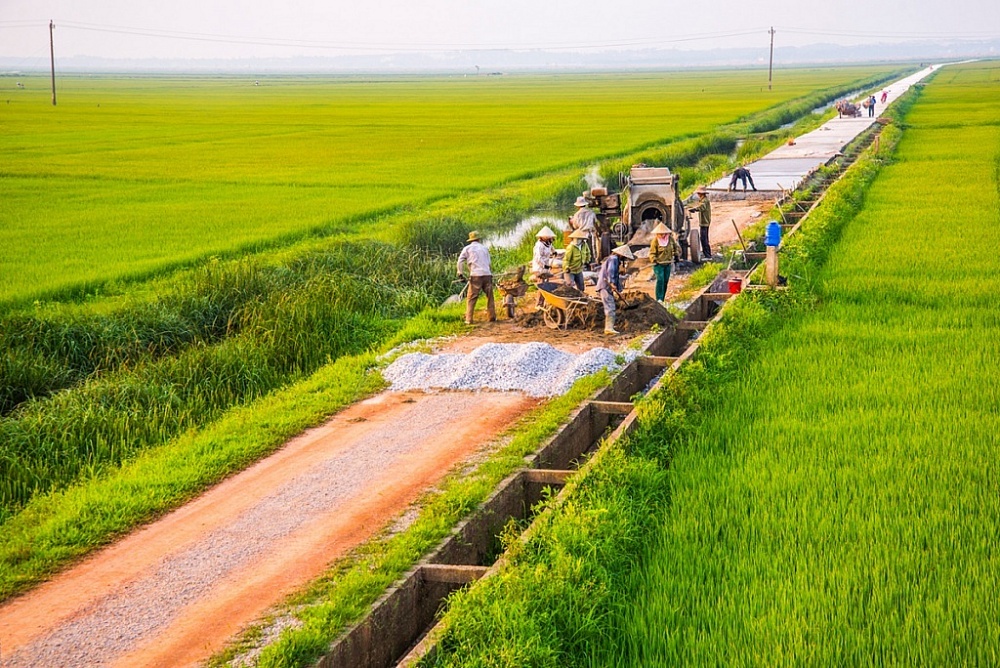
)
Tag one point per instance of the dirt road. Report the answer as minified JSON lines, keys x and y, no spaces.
{"x":174,"y":592}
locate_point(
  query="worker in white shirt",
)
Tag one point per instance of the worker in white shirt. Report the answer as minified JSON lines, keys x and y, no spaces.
{"x":476,"y":257}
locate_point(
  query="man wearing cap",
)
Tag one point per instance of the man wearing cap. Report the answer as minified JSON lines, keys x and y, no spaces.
{"x":576,"y":257}
{"x":704,"y":211}
{"x":609,"y":283}
{"x":585,"y":220}
{"x":662,"y":252}
{"x":476,"y":257}
{"x":542,"y":260}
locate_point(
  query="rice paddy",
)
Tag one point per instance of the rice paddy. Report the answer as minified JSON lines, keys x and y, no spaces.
{"x":127,"y":177}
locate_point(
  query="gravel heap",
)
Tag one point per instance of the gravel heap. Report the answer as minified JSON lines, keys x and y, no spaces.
{"x":537,"y":369}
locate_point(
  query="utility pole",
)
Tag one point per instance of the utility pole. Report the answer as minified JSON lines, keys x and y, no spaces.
{"x":52,"y":56}
{"x":770,"y":62}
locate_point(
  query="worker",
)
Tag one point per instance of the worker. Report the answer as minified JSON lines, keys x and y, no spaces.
{"x":663,"y":250}
{"x":576,"y":258}
{"x":704,"y":211}
{"x":543,"y":260}
{"x":871,"y":106}
{"x":741,"y":174}
{"x":609,"y":284}
{"x":476,"y":257}
{"x":586,"y":220}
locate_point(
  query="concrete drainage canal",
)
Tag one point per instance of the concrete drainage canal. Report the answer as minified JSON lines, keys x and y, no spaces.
{"x":392,"y":631}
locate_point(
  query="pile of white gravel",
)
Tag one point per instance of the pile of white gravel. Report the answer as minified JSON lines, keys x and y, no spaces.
{"x":537,"y":369}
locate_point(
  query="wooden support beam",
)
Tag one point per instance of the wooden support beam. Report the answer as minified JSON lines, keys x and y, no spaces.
{"x":695,"y":325}
{"x":612,"y":407}
{"x":548,"y":476}
{"x":716,"y":296}
{"x":755,"y":256}
{"x":451,"y":573}
{"x":656,"y":361}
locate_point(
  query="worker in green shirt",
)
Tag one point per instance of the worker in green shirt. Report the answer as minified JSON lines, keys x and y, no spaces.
{"x":576,"y":257}
{"x":704,"y":211}
{"x":662,"y":252}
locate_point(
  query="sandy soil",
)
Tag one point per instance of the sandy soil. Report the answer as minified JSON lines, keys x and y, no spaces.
{"x":174,"y":592}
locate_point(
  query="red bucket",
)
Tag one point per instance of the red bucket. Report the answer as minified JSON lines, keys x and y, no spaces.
{"x":735,"y":286}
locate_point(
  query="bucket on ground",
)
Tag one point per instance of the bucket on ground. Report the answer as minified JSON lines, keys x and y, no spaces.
{"x":735,"y":285}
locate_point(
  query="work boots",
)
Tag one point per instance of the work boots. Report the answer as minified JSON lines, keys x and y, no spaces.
{"x":609,"y":326}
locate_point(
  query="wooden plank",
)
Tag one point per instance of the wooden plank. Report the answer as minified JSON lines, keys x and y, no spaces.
{"x":612,"y":407}
{"x":695,"y":325}
{"x":656,"y":361}
{"x":548,"y":476}
{"x":716,"y":296}
{"x":451,"y":573}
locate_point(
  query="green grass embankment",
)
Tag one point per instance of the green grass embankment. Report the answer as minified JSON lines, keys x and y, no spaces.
{"x":747,"y":545}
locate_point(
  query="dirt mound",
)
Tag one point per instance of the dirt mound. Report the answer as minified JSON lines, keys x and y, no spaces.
{"x":639,"y":313}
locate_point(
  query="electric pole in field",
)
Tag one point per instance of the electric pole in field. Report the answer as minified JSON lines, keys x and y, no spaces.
{"x":52,"y":56}
{"x":770,"y":62}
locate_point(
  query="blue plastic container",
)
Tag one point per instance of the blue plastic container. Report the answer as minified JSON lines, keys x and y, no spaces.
{"x":773,"y":235}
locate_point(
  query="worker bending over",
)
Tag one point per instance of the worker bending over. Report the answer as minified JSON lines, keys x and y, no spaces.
{"x":609,"y":284}
{"x":663,"y":250}
{"x":476,"y":257}
{"x":741,"y":174}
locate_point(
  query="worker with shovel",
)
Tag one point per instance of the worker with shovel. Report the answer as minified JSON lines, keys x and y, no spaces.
{"x":609,"y":284}
{"x":704,"y":211}
{"x":476,"y":257}
{"x":663,"y":250}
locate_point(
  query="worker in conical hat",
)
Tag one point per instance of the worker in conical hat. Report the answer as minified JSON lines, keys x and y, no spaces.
{"x":543,"y":260}
{"x":609,"y":284}
{"x":586,"y":220}
{"x":576,"y":258}
{"x":476,"y":257}
{"x":663,"y":250}
{"x":704,"y":211}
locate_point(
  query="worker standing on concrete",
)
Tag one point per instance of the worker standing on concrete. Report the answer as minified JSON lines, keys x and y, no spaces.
{"x":609,"y":283}
{"x":576,"y":258}
{"x":741,"y":174}
{"x":543,"y":260}
{"x":476,"y":257}
{"x":871,"y":106}
{"x":586,"y":220}
{"x":704,"y":211}
{"x":662,"y":252}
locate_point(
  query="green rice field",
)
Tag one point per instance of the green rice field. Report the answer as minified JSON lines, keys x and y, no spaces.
{"x":839,"y":504}
{"x":128,"y":176}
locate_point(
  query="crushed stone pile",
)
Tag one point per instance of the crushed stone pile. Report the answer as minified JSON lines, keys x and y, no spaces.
{"x":537,"y":369}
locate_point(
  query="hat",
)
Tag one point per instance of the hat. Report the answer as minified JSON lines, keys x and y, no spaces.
{"x":582,"y":201}
{"x":546,"y":233}
{"x":661,"y":229}
{"x":701,"y":190}
{"x":473,"y":236}
{"x":579,"y":234}
{"x":624,"y":251}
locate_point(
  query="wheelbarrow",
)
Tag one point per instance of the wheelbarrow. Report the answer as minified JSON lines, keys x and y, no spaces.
{"x":561,"y":311}
{"x":512,"y":287}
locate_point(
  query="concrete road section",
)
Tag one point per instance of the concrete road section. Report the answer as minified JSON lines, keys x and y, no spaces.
{"x":787,"y":166}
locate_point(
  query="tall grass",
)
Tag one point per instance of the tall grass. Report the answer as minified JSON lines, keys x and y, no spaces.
{"x":296,"y":318}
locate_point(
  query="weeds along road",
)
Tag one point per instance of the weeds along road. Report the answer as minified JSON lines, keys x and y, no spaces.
{"x":174,"y":592}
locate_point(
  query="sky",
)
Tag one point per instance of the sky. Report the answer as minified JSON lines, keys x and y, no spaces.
{"x":210,"y":29}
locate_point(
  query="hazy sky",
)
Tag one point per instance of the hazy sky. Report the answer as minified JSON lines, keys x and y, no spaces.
{"x":251,"y":28}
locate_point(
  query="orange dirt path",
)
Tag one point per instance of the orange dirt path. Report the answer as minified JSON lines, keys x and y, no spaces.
{"x":173,"y":593}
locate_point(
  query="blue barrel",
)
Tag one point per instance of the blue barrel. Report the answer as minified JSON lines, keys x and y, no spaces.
{"x":773,"y":235}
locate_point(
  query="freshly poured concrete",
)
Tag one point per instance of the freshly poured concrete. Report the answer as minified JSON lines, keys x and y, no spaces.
{"x":786,"y":167}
